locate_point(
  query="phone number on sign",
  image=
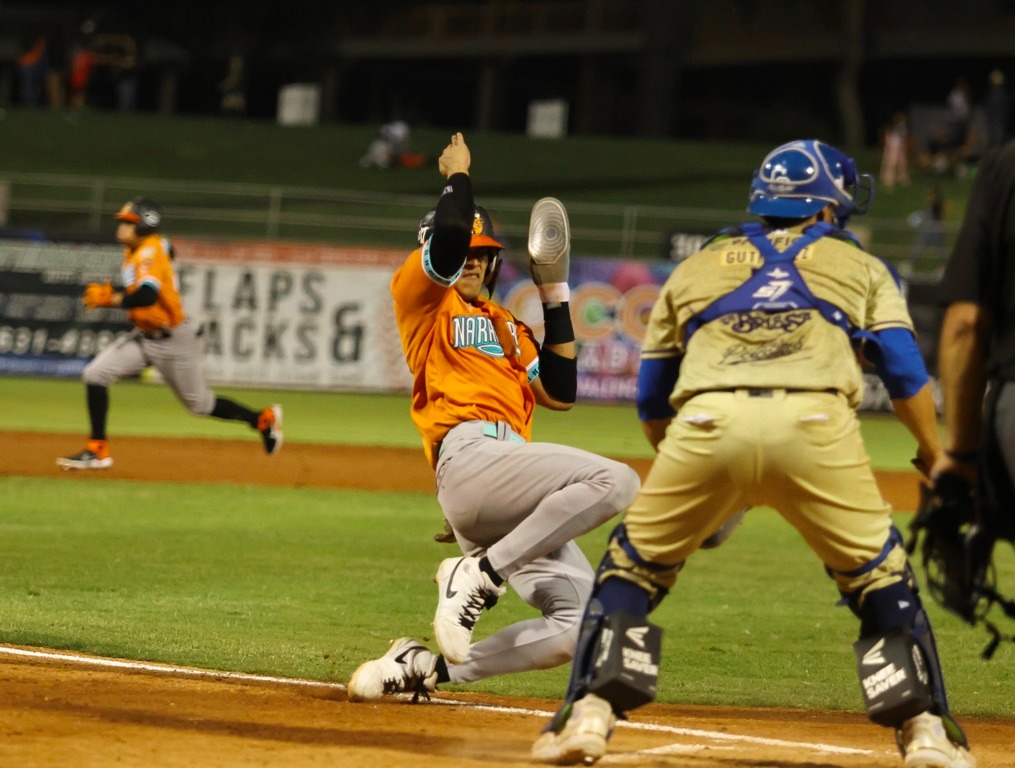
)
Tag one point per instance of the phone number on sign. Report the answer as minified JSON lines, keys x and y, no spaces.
{"x":74,"y":342}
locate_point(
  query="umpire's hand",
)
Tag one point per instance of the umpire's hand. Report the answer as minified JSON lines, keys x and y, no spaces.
{"x":947,"y":465}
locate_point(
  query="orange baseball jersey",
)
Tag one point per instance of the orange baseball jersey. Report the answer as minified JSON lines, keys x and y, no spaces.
{"x":149,"y":264}
{"x":459,"y":367}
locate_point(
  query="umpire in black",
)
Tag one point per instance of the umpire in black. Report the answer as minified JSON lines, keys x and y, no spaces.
{"x":977,"y":348}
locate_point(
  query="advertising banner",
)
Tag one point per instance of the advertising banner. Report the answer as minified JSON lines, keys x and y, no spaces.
{"x":610,"y":305}
{"x":312,"y":317}
{"x":294,"y":316}
{"x":44,"y":329}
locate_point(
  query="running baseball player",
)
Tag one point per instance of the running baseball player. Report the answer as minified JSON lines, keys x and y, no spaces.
{"x":161,"y":337}
{"x":515,"y":506}
{"x":747,"y":388}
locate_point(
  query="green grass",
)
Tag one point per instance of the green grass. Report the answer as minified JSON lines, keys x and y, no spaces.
{"x":590,"y":169}
{"x":54,"y":405}
{"x":309,"y":583}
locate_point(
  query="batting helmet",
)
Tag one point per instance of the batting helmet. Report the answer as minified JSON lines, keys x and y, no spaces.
{"x":482,"y":237}
{"x":800,"y":178}
{"x":142,"y":213}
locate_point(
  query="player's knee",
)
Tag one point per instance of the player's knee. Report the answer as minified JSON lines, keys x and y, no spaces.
{"x":95,"y":376}
{"x":624,"y":485}
{"x":623,"y":560}
{"x":564,"y":642}
{"x":198,"y":404}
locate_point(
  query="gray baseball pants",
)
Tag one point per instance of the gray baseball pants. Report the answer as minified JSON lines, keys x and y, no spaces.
{"x":178,"y":358}
{"x":522,"y":505}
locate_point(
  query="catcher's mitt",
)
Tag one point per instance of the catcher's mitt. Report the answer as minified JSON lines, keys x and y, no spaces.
{"x":945,"y":515}
{"x":99,"y":295}
{"x":956,"y":553}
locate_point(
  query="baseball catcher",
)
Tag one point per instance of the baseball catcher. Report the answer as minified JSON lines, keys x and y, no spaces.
{"x":748,"y":385}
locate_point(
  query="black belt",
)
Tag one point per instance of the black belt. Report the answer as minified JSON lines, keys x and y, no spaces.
{"x":158,"y":335}
{"x":768,"y":391}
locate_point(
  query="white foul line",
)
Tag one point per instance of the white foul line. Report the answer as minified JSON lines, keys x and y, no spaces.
{"x":169,"y":669}
{"x":166,"y":669}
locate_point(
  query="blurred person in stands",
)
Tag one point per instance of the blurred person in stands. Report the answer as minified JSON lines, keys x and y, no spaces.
{"x":33,"y":67}
{"x":895,"y":155}
{"x":82,"y":60}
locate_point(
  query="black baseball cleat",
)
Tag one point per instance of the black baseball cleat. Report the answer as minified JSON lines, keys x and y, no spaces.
{"x":269,"y":424}
{"x":94,"y":456}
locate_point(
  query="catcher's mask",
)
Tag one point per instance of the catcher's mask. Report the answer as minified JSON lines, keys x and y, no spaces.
{"x":482,"y":237}
{"x":957,"y":554}
{"x":800,"y":178}
{"x":142,"y":213}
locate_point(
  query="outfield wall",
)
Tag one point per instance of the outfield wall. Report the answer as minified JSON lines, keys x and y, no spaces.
{"x":309,"y":316}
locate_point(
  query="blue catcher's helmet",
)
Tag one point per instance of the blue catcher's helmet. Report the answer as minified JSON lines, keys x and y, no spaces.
{"x":800,"y":178}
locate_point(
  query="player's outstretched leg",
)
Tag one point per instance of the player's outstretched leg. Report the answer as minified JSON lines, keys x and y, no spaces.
{"x":408,"y":666}
{"x":268,"y":421}
{"x":463,"y":591}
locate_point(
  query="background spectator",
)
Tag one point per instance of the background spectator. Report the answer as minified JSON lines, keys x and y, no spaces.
{"x":33,"y":66}
{"x":958,"y":111}
{"x":895,"y":156}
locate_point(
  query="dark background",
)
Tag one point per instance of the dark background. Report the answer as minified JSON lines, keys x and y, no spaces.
{"x":734,"y":70}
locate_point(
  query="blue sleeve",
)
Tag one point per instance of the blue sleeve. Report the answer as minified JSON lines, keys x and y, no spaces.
{"x":656,"y":379}
{"x":898,"y":361}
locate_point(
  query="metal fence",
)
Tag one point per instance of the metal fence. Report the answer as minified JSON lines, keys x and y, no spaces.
{"x":79,"y":204}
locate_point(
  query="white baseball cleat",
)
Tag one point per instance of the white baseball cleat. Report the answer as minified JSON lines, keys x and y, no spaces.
{"x":549,"y":231}
{"x":925,"y":744}
{"x":408,"y":666}
{"x":583,"y":738}
{"x":463,"y":592}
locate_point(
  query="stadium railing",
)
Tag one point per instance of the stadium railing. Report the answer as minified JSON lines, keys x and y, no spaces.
{"x":83,"y":205}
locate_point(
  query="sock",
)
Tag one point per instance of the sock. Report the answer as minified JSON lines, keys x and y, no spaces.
{"x":98,"y":406}
{"x":232,"y":411}
{"x":485,"y":567}
{"x":618,"y":594}
{"x":443,"y":676}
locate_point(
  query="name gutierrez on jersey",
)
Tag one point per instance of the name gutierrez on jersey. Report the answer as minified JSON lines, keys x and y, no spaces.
{"x":478,"y":331}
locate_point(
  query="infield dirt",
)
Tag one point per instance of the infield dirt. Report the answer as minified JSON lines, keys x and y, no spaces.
{"x":60,"y":713}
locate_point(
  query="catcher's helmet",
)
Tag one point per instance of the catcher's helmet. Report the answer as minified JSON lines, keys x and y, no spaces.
{"x":142,"y":213}
{"x":800,"y":178}
{"x":482,"y":237}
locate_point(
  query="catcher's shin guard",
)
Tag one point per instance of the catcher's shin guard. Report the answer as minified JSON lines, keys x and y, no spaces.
{"x":617,"y":658}
{"x":897,"y":659}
